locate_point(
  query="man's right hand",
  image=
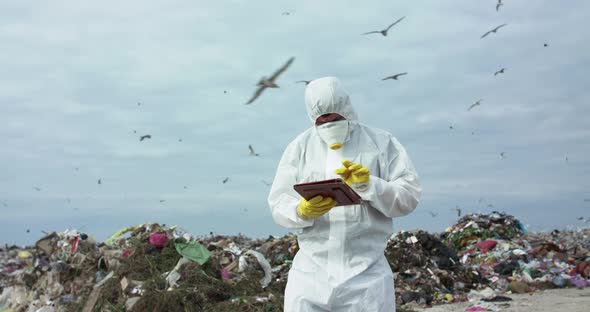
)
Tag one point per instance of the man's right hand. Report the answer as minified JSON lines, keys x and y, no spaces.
{"x":315,"y":207}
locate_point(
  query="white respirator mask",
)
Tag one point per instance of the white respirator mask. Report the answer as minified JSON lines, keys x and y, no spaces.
{"x":333,"y":133}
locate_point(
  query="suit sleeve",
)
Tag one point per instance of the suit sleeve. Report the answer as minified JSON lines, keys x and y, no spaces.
{"x":283,"y":200}
{"x":398,"y":192}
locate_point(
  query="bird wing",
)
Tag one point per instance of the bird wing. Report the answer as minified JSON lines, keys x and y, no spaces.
{"x":282,"y":69}
{"x":399,"y":20}
{"x":304,"y":81}
{"x":251,"y":149}
{"x":372,"y":32}
{"x":496,"y":29}
{"x":472,"y":106}
{"x":256,"y":94}
{"x":389,"y":77}
{"x":396,"y":76}
{"x":486,"y":34}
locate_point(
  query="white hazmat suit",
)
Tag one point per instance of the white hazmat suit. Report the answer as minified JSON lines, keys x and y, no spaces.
{"x":341,"y":264}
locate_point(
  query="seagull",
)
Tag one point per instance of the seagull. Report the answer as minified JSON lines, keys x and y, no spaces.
{"x":451,"y":128}
{"x":384,"y":31}
{"x":179,"y":140}
{"x":135,"y":131}
{"x":138,"y":103}
{"x":224,"y":91}
{"x":433,"y":214}
{"x":499,"y":5}
{"x":493,"y":31}
{"x":162,"y":200}
{"x":545,"y":45}
{"x":286,"y":13}
{"x":143,"y":137}
{"x":252,"y":152}
{"x":28,"y":231}
{"x":581,"y":218}
{"x":185,"y":187}
{"x":76,"y":168}
{"x":264,"y":82}
{"x":477,"y":103}
{"x":225,"y":180}
{"x":458,"y":210}
{"x":490,"y":206}
{"x":501,"y":71}
{"x":566,"y":159}
{"x":502,"y":155}
{"x":37,"y":189}
{"x":99,"y":181}
{"x":266,"y":183}
{"x":304,"y":81}
{"x":394,"y":77}
{"x":472,"y":132}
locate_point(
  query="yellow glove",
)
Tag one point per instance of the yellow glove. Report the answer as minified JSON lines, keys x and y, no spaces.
{"x":353,"y":174}
{"x":315,"y":207}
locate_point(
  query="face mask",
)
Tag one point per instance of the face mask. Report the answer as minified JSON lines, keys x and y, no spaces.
{"x":333,"y":133}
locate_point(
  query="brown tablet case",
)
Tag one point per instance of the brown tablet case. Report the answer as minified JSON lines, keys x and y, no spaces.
{"x":335,"y":188}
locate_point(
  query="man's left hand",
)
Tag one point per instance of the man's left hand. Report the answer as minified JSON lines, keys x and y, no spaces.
{"x":353,"y":174}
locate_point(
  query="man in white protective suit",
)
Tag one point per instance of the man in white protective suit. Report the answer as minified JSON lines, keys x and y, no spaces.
{"x":341,"y":264}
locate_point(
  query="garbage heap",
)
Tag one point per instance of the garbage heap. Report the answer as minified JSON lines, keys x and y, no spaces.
{"x":513,"y":261}
{"x":148,"y":267}
{"x":153,"y":267}
{"x":427,"y":271}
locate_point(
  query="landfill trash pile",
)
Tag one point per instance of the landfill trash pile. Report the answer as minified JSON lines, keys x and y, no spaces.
{"x":148,"y":267}
{"x":513,"y":261}
{"x":152,"y":267}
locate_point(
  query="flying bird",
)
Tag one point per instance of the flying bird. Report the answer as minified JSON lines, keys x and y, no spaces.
{"x":545,"y":45}
{"x":477,"y":103}
{"x":451,"y":128}
{"x":384,"y":31}
{"x":224,"y":91}
{"x":143,"y":137}
{"x":138,"y":103}
{"x":225,"y":180}
{"x":433,"y":214}
{"x":458,"y":210}
{"x":490,"y":206}
{"x":28,"y":231}
{"x":76,"y":168}
{"x":4,"y":203}
{"x":498,"y":5}
{"x":264,"y":82}
{"x":185,"y":187}
{"x":581,"y":218}
{"x":252,"y":152}
{"x":37,"y":189}
{"x":501,"y":71}
{"x":394,"y":77}
{"x":99,"y":181}
{"x":493,"y":31}
{"x":179,"y":140}
{"x":286,"y":13}
{"x":266,"y":183}
{"x":162,"y":200}
{"x":304,"y":81}
{"x":502,"y":155}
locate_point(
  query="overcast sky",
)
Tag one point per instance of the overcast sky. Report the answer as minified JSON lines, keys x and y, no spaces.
{"x":72,"y":73}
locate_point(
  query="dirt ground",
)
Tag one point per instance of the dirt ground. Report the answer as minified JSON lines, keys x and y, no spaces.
{"x":565,"y":300}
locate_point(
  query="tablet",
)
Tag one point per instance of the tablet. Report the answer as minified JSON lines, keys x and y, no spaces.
{"x":335,"y":188}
